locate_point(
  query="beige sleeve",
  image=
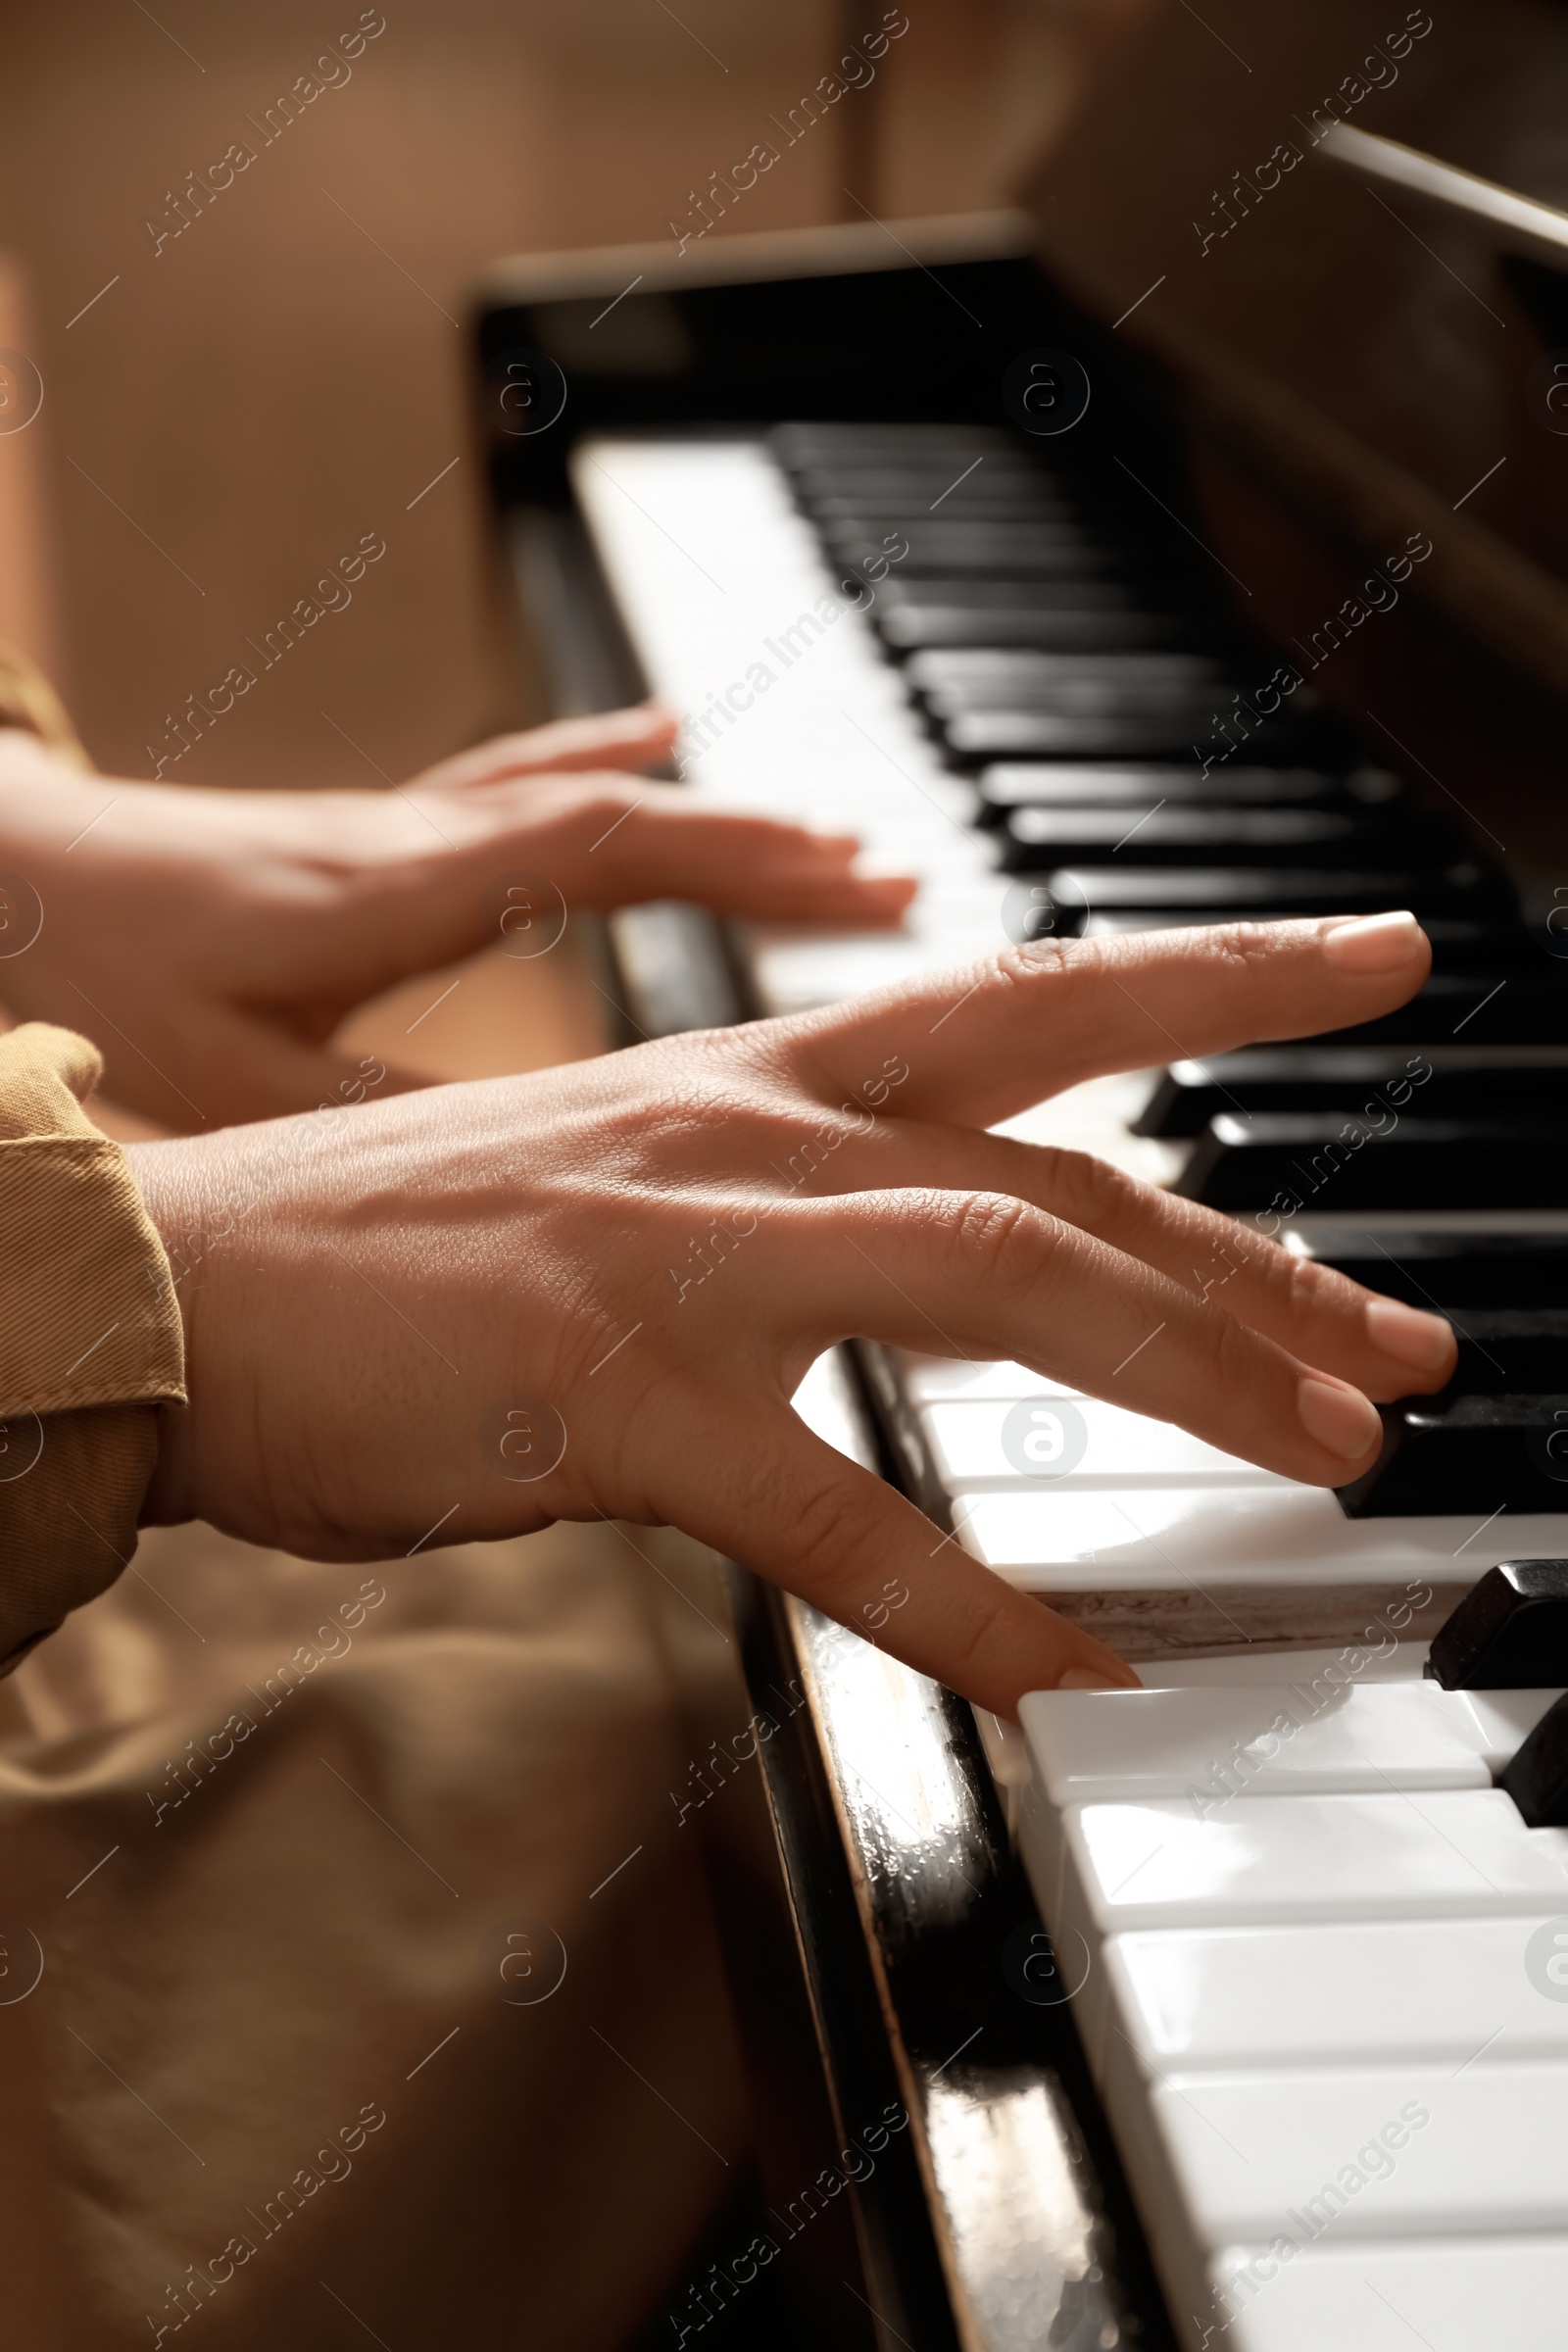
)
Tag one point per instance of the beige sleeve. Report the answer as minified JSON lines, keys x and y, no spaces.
{"x":90,"y":1339}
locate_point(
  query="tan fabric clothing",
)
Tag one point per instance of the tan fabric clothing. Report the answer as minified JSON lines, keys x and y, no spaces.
{"x":309,"y":1935}
{"x":90,"y":1340}
{"x":281,"y":1845}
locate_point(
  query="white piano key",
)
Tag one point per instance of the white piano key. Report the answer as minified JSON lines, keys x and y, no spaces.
{"x":1220,"y":1748}
{"x":1497,"y":1722}
{"x":1505,"y":1720}
{"x":935,"y":1379}
{"x":712,"y":567}
{"x":1382,"y":1660}
{"x":1203,"y":1858}
{"x":1380,"y":2153}
{"x":1170,"y":1537}
{"x":1241,"y":2000}
{"x":1470,"y":2295}
{"x":945,"y":930}
{"x":829,"y":1404}
{"x":1268,"y":1861}
{"x":1096,"y":1117}
{"x":1006,"y":1750}
{"x":966,"y":1446}
{"x":798,"y":976}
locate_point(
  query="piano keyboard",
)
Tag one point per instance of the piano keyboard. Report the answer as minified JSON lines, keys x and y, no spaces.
{"x":997,"y":674}
{"x":1315,"y":1942}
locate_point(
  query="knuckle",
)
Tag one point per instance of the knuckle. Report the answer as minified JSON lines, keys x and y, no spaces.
{"x":1001,"y":1235}
{"x":1249,"y":950}
{"x":1040,"y":961}
{"x":1305,"y":1291}
{"x":1090,"y":1192}
{"x":1240,"y":950}
{"x":1234,"y":1356}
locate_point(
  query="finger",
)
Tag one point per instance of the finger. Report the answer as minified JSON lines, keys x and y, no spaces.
{"x":596,"y":843}
{"x":756,"y":867}
{"x":797,"y":1512}
{"x":990,"y":1040}
{"x":641,"y":737}
{"x":1379,"y":1345}
{"x":986,"y":1276}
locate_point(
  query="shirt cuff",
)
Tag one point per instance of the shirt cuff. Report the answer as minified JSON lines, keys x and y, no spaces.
{"x":90,"y":1339}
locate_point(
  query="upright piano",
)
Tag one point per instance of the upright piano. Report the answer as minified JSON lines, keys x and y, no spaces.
{"x":1191,"y":542}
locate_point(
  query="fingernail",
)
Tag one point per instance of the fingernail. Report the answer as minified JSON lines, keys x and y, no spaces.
{"x":1423,"y":1341}
{"x":1373,"y":943}
{"x":1339,"y":1418}
{"x":1087,"y":1677}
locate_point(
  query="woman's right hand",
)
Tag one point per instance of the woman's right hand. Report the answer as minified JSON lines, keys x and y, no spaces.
{"x":638,"y":1258}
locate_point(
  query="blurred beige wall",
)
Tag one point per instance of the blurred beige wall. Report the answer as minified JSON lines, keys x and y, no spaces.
{"x":237,"y":407}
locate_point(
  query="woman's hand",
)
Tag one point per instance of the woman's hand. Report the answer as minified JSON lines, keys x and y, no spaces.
{"x":210,"y":941}
{"x":594,"y":1291}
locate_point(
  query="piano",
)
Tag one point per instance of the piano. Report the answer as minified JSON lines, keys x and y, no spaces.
{"x":1191,"y":542}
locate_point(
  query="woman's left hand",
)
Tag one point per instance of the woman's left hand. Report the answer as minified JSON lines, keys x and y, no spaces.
{"x":209,"y":941}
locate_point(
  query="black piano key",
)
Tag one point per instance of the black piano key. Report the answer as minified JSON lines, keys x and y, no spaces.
{"x":1506,"y":1352}
{"x":1457,"y":1272}
{"x":1227,"y":893}
{"x":997,"y":599}
{"x":1536,"y":1774}
{"x":1481,"y":1008}
{"x":1091,"y":681}
{"x":969,"y":723}
{"x":1062,"y":616}
{"x":1469,"y":1453}
{"x":880,"y":517}
{"x":1499,"y":1082}
{"x":1498,"y":949}
{"x":1510,"y":1351}
{"x":899,"y":475}
{"x":971,"y":594}
{"x":1199,"y":836}
{"x":1007,"y":676}
{"x":1060,"y":784}
{"x":969,"y":538}
{"x":1509,"y":1633}
{"x":1176,"y":701}
{"x":982,"y":551}
{"x":1344,"y":1162}
{"x":1122,"y":731}
{"x":807,"y":441}
{"x":835,"y":492}
{"x":1074,"y":620}
{"x":876,"y":501}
